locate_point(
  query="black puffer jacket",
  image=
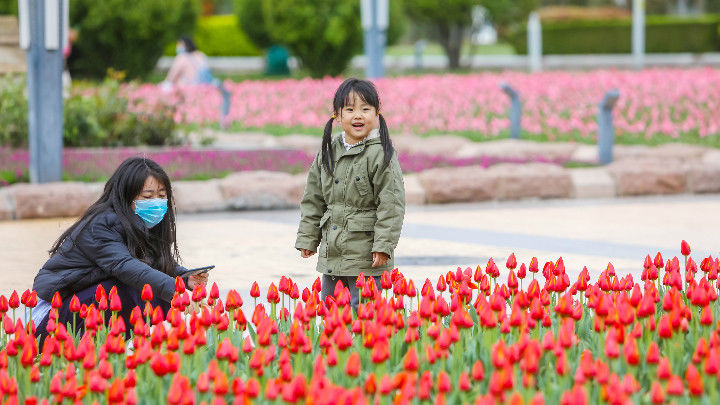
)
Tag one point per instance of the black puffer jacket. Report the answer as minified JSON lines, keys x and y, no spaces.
{"x":99,"y":252}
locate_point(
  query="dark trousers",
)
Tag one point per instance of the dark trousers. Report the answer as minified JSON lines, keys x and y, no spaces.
{"x":329,"y":283}
{"x":129,"y":297}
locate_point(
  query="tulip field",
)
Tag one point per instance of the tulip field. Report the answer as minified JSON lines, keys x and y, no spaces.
{"x":655,"y":105}
{"x":530,"y":336}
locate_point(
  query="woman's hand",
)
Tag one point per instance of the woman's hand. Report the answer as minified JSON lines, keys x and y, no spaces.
{"x":304,"y":253}
{"x":379,"y":259}
{"x":197,"y":279}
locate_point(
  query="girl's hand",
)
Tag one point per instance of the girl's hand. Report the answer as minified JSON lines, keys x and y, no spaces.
{"x":304,"y":253}
{"x":197,"y":279}
{"x":379,"y":259}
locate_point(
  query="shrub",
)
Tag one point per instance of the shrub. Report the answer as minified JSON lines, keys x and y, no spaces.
{"x":93,"y":116}
{"x":127,"y":35}
{"x":663,"y":34}
{"x":14,"y":117}
{"x":251,"y":20}
{"x":220,"y":35}
{"x":8,"y":7}
{"x":323,"y":34}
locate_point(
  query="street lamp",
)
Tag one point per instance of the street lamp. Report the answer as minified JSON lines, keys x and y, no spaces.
{"x":43,"y":33}
{"x":374,"y":17}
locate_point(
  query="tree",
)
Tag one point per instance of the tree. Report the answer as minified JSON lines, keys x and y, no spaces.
{"x":506,"y":13}
{"x":449,"y":19}
{"x":251,"y":20}
{"x":323,"y":34}
{"x":126,"y":35}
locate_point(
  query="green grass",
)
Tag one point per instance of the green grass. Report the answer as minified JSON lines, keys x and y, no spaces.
{"x":625,"y":139}
{"x":433,"y":48}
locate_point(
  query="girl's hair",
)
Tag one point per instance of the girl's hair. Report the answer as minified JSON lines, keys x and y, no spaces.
{"x":367,"y":92}
{"x":157,"y":246}
{"x":189,"y":44}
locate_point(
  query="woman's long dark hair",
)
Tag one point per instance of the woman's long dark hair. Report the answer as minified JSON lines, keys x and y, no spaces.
{"x":367,"y":92}
{"x":157,"y":246}
{"x":190,"y":46}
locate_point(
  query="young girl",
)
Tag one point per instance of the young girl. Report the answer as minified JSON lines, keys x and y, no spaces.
{"x":354,"y":201}
{"x":126,"y":239}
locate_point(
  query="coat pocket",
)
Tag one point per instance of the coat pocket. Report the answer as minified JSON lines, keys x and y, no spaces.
{"x":323,"y":250}
{"x":360,"y":237}
{"x":362,"y":183}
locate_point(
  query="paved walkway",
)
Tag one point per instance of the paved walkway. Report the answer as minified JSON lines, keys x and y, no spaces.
{"x":405,"y":62}
{"x":257,"y":246}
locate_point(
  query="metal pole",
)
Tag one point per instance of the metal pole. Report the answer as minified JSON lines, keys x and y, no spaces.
{"x":419,"y":49}
{"x":638,"y":33}
{"x":42,"y":35}
{"x":515,"y":110}
{"x":606,"y":130}
{"x":534,"y":40}
{"x":374,"y":19}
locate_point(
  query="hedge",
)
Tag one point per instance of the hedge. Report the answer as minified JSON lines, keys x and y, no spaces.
{"x":219,"y":35}
{"x":663,"y":34}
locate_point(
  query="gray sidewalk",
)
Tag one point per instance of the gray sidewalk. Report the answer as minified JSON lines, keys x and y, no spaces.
{"x":258,"y":245}
{"x":520,"y":62}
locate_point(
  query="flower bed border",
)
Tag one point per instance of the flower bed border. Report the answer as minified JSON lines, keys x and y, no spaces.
{"x":256,"y":190}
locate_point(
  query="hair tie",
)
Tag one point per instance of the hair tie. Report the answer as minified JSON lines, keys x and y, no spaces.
{"x":379,"y":113}
{"x":333,"y":116}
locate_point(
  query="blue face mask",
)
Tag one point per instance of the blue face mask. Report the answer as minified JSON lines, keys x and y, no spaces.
{"x":179,"y":49}
{"x":151,"y":211}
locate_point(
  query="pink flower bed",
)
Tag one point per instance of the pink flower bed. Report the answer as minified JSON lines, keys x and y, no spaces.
{"x":96,"y":164}
{"x":653,"y":103}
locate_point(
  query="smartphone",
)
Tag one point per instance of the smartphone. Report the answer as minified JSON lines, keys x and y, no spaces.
{"x":196,"y":271}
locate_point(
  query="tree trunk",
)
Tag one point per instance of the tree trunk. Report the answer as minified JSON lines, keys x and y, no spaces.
{"x":451,"y":39}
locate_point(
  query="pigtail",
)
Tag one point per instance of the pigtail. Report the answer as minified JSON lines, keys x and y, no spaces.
{"x":385,"y":141}
{"x":326,"y":149}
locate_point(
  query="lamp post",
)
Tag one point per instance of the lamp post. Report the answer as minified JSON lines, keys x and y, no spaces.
{"x":638,"y":33}
{"x":374,"y":21}
{"x":43,"y":33}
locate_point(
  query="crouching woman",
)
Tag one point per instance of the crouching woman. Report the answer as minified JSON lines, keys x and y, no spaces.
{"x":126,"y":239}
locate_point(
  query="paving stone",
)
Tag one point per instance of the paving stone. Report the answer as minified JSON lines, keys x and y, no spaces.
{"x":703,"y":177}
{"x":414,"y":191}
{"x":648,"y":176}
{"x":458,"y":184}
{"x":62,"y":199}
{"x":262,"y":190}
{"x":519,"y":149}
{"x":198,"y":196}
{"x":7,"y":210}
{"x":592,"y":183}
{"x":532,"y":180}
{"x":306,"y":143}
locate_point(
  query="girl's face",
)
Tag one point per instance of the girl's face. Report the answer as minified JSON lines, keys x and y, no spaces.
{"x":152,"y":189}
{"x":357,"y":119}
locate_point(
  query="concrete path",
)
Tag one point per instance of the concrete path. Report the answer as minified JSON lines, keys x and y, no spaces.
{"x":258,"y":246}
{"x":551,"y":62}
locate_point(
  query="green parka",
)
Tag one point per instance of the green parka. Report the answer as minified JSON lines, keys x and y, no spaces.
{"x":357,"y":211}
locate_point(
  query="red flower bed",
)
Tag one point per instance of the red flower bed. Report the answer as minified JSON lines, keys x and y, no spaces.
{"x":468,"y":337}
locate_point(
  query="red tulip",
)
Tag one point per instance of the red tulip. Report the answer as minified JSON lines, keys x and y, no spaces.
{"x":273,"y":296}
{"x":56,"y":300}
{"x":370,"y":385}
{"x":511,"y":262}
{"x":657,"y":395}
{"x":179,"y":285}
{"x":653,"y":354}
{"x":411,"y":362}
{"x":694,"y":380}
{"x":147,"y":293}
{"x":15,"y":300}
{"x":664,"y":370}
{"x":685,"y":248}
{"x":443,"y":382}
{"x":352,"y":368}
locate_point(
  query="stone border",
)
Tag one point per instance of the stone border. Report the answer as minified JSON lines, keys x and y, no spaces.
{"x":273,"y":190}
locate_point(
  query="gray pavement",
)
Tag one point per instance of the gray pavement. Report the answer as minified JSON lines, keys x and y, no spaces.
{"x":258,"y":245}
{"x":405,"y":62}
